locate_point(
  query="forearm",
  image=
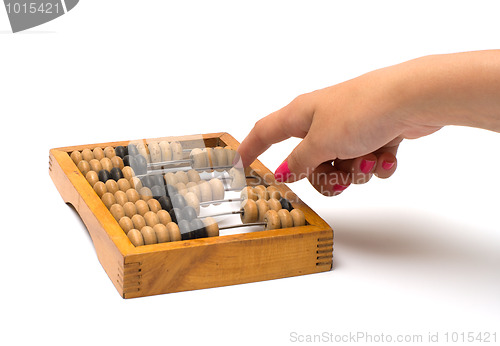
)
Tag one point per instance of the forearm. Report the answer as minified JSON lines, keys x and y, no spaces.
{"x":454,"y":89}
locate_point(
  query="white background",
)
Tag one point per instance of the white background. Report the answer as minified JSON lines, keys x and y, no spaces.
{"x":417,"y":253}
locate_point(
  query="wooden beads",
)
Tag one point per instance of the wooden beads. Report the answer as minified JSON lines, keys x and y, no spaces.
{"x":135,"y":204}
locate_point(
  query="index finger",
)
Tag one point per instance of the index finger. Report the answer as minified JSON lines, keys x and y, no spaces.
{"x":293,"y":120}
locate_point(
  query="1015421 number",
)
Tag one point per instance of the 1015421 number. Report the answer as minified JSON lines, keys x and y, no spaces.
{"x":33,"y":7}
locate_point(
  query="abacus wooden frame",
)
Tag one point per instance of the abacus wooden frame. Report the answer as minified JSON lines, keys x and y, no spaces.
{"x":198,"y":263}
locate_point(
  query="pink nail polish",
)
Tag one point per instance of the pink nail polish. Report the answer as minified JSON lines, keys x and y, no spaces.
{"x":339,"y":188}
{"x":366,"y":166}
{"x":282,"y":173}
{"x":387,"y":165}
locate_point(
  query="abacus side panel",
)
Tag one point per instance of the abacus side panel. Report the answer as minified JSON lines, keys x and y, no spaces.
{"x":73,"y":191}
{"x":222,"y":264}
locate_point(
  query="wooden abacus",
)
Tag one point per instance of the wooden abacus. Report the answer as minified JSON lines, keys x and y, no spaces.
{"x":206,"y":262}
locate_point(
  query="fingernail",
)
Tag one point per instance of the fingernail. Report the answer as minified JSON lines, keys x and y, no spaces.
{"x":366,"y":166}
{"x":339,"y":188}
{"x":282,"y":173}
{"x":387,"y":165}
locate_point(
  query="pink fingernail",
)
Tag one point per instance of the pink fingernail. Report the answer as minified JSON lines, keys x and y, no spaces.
{"x":387,"y":165}
{"x":366,"y":166}
{"x":339,"y":188}
{"x":282,"y":173}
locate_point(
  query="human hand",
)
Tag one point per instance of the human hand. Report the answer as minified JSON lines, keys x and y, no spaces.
{"x":350,"y":132}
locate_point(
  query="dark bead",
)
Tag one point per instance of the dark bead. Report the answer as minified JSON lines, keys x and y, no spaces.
{"x":198,"y":229}
{"x":132,"y":150}
{"x":158,"y":191}
{"x":157,"y":179}
{"x":285,"y":204}
{"x":178,"y":201}
{"x":104,"y":175}
{"x":146,"y":181}
{"x":185,"y":229}
{"x":140,"y":165}
{"x":175,"y":215}
{"x":188,"y":213}
{"x":116,"y":173}
{"x":171,"y":190}
{"x":166,"y":203}
{"x":121,"y":151}
{"x":129,"y":160}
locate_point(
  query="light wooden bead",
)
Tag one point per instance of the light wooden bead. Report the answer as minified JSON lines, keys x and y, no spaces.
{"x":166,"y":151}
{"x":130,"y":209}
{"x":194,"y":188}
{"x":108,"y":199}
{"x":298,"y":217}
{"x":161,"y":233}
{"x":154,"y":152}
{"x":100,"y":188}
{"x":87,"y":155}
{"x":272,"y":220}
{"x":143,"y":150}
{"x":112,"y":186}
{"x":84,"y":167}
{"x":132,"y":195}
{"x":123,"y":184}
{"x":95,"y":165}
{"x":250,"y":211}
{"x":149,"y":235}
{"x":230,"y":154}
{"x":182,"y":177}
{"x":106,"y":164}
{"x":211,"y":159}
{"x":170,"y":178}
{"x":205,"y":191}
{"x":217,"y":189}
{"x":181,"y":188}
{"x":92,"y":177}
{"x":261,"y":192}
{"x":98,"y":153}
{"x":76,"y":156}
{"x":164,"y":217}
{"x":126,"y":224}
{"x":138,"y":221}
{"x":128,"y":172}
{"x":274,"y":204}
{"x":117,"y":162}
{"x":285,"y":218}
{"x":193,"y":176}
{"x":135,"y":183}
{"x":221,"y":157}
{"x":211,"y":226}
{"x":151,"y":218}
{"x":176,"y":148}
{"x":142,"y":207}
{"x":199,"y":158}
{"x":263,"y":207}
{"x":121,"y":197}
{"x":109,"y":152}
{"x":173,"y":231}
{"x":117,"y":211}
{"x":249,"y":193}
{"x":135,"y":237}
{"x":193,"y":201}
{"x":238,"y":180}
{"x":274,"y":192}
{"x":154,"y":205}
{"x":145,"y":193}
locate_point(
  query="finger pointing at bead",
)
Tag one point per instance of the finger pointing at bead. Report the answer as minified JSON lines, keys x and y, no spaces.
{"x":292,"y":120}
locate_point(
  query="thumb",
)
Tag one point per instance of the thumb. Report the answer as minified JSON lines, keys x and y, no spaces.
{"x":300,"y":163}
